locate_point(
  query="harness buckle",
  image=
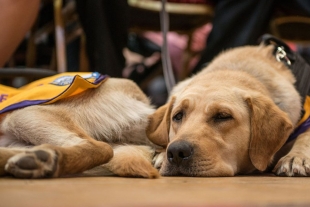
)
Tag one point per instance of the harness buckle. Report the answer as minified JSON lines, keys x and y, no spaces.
{"x":282,"y":57}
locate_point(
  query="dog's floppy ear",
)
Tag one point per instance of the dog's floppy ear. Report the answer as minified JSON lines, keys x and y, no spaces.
{"x":159,"y":124}
{"x":270,"y":128}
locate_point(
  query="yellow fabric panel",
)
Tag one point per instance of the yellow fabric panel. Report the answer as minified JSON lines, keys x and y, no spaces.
{"x":307,"y":110}
{"x":48,"y":90}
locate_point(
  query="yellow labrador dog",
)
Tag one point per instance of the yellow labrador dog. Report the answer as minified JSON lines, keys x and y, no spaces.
{"x":234,"y":117}
{"x":98,"y":126}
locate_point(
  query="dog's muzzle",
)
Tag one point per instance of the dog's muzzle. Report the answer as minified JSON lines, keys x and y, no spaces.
{"x":179,"y":152}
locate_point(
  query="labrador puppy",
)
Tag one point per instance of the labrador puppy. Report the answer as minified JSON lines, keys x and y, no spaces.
{"x":102,"y":126}
{"x":234,"y":117}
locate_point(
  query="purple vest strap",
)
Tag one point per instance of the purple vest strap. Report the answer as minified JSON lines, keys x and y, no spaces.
{"x":299,"y":130}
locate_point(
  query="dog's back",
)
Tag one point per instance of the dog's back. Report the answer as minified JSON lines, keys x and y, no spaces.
{"x":78,"y":133}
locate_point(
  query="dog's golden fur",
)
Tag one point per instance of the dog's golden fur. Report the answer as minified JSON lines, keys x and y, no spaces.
{"x":99,"y":126}
{"x":233,"y":117}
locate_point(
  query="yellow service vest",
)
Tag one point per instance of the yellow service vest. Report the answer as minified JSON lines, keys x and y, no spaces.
{"x":306,"y":110}
{"x":48,"y":90}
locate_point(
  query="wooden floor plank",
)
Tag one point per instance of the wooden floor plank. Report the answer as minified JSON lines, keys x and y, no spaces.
{"x":165,"y":191}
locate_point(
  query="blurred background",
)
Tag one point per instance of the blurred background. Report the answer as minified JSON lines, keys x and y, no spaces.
{"x":122,"y":38}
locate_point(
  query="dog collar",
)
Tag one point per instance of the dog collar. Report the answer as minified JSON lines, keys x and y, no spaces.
{"x":299,"y":130}
{"x":292,"y":60}
{"x":281,"y":56}
{"x":301,"y":70}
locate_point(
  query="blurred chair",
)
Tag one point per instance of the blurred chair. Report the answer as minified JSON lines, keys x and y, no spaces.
{"x":64,"y":27}
{"x":292,"y":28}
{"x":291,"y":25}
{"x":184,"y":19}
{"x":64,"y":16}
{"x":185,"y":16}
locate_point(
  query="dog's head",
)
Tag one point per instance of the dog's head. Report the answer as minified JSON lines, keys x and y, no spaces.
{"x":217,"y":129}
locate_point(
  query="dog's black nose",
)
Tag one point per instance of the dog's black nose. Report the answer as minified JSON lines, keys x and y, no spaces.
{"x":179,"y":151}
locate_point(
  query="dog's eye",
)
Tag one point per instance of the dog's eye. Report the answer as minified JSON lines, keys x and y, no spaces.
{"x":222,"y":117}
{"x":178,"y":117}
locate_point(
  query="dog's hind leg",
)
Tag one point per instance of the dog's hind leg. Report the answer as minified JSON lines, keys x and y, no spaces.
{"x":61,"y":146}
{"x":55,"y":161}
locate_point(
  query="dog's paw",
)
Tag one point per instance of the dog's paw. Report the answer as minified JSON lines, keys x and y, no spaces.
{"x":36,"y":163}
{"x":293,"y":164}
{"x":158,"y":160}
{"x":133,"y":161}
{"x":139,"y":169}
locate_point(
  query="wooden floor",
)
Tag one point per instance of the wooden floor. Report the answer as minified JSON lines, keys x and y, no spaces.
{"x":266,"y":190}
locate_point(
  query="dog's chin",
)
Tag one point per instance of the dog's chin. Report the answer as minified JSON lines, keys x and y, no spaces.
{"x":168,"y":169}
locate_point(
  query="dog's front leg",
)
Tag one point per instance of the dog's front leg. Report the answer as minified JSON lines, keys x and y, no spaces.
{"x":159,"y":158}
{"x":132,"y":161}
{"x":297,"y":161}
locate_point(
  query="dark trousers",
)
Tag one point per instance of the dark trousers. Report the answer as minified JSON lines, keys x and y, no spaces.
{"x":105,"y":23}
{"x":242,"y":22}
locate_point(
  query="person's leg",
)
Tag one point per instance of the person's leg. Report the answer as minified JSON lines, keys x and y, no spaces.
{"x":117,"y":15}
{"x":104,"y":34}
{"x":16,"y":18}
{"x":236,"y":23}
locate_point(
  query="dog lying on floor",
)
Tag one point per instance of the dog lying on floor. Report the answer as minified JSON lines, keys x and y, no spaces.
{"x":102,"y":125}
{"x":234,"y":117}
